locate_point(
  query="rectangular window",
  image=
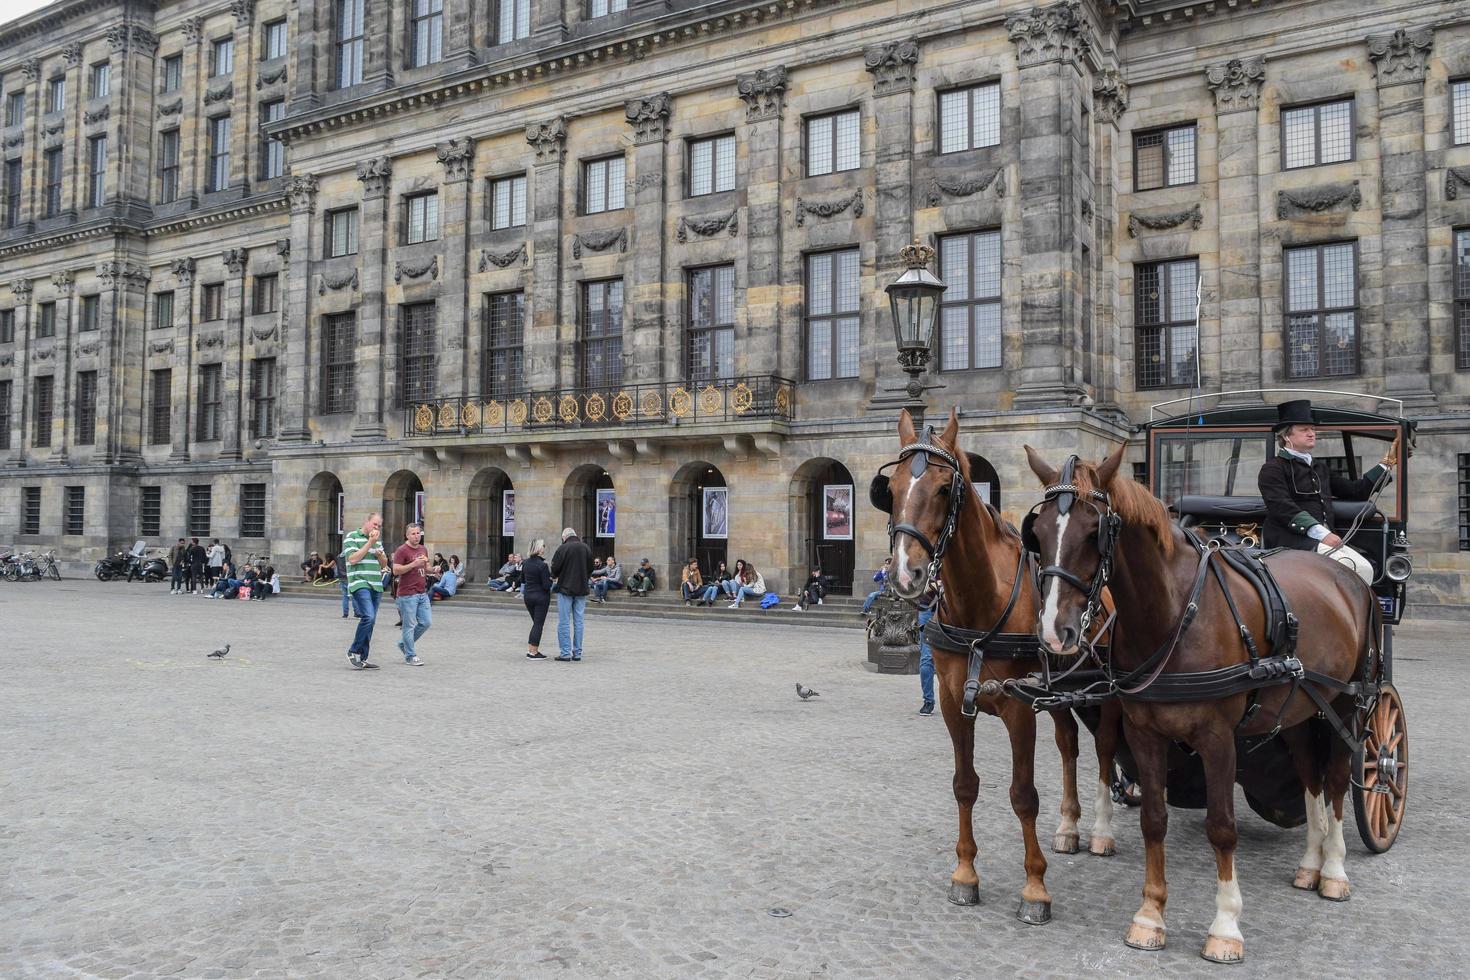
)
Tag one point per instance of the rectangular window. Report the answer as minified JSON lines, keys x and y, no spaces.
{"x":505,"y":323}
{"x":212,"y":302}
{"x":163,"y":311}
{"x":711,"y":351}
{"x":222,"y":57}
{"x":602,"y":185}
{"x":275,"y":40}
{"x":1460,"y":110}
{"x":211,"y":401}
{"x":711,"y":165}
{"x":351,"y":37}
{"x":74,"y":511}
{"x":601,"y":8}
{"x":90,"y":309}
{"x":832,"y":143}
{"x":969,"y":118}
{"x":96,"y":171}
{"x":252,"y":510}
{"x":56,"y":95}
{"x":46,"y":320}
{"x":15,"y":108}
{"x":426,"y":32}
{"x":1462,"y":298}
{"x":45,"y":389}
{"x":417,"y":323}
{"x":272,"y":151}
{"x":969,"y":310}
{"x":1164,"y":158}
{"x":150,"y":511}
{"x":508,"y":202}
{"x":160,"y":405}
{"x":602,"y":333}
{"x":86,"y":404}
{"x":420,"y":218}
{"x":262,"y":398}
{"x":5,"y":390}
{"x":168,"y":166}
{"x":342,"y":232}
{"x":99,"y":82}
{"x":30,"y":518}
{"x":219,"y":153}
{"x":339,"y":363}
{"x":1165,"y":336}
{"x":832,"y":306}
{"x":1317,"y":134}
{"x":200,"y":505}
{"x":173,"y":73}
{"x":264,"y":298}
{"x":515,"y":21}
{"x":7,"y":326}
{"x":1322,"y":310}
{"x":13,"y":197}
{"x":53,"y":182}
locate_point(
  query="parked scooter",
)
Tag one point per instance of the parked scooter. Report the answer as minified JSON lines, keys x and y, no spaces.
{"x":110,"y":568}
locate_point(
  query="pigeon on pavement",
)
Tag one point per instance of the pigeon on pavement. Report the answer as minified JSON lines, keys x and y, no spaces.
{"x":220,"y":653}
{"x":805,"y":692}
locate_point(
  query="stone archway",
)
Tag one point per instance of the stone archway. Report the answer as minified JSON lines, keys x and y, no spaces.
{"x":489,"y":518}
{"x":688,"y":522}
{"x":325,"y":519}
{"x":584,"y":509}
{"x":400,"y":499}
{"x":816,"y":538}
{"x":984,"y":477}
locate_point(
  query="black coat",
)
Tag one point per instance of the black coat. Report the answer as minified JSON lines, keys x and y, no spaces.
{"x":1299,"y":496}
{"x":572,"y":566}
{"x":537,"y":579}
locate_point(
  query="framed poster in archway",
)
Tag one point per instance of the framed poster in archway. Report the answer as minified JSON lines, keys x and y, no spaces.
{"x":716,"y":520}
{"x":508,"y":514}
{"x":341,"y":513}
{"x":607,"y":514}
{"x":418,"y":507}
{"x":837,"y":512}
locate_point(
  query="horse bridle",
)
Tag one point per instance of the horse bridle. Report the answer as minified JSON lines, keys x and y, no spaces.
{"x":1065,"y":494}
{"x":919,"y":454}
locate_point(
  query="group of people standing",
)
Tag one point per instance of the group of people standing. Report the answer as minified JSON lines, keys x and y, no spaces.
{"x":194,"y":569}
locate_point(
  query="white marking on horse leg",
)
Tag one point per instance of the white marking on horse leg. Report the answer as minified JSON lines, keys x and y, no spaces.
{"x":1316,"y":829}
{"x":1227,"y":907}
{"x":1053,"y":589}
{"x":1102,"y":815}
{"x":1333,"y":847}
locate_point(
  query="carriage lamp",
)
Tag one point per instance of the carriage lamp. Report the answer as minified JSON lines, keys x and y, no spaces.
{"x":914,"y":299}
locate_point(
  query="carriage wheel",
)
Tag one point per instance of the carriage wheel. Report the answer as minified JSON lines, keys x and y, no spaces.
{"x":1381,"y":772}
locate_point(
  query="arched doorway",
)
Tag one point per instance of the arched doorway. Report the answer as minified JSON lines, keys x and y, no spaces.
{"x":325,"y":520}
{"x":985,"y":480}
{"x":589,"y":505}
{"x":824,"y":521}
{"x":401,"y":504}
{"x":491,"y":522}
{"x":699,"y":517}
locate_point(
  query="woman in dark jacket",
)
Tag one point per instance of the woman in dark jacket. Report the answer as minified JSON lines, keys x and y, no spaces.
{"x":537,"y":581}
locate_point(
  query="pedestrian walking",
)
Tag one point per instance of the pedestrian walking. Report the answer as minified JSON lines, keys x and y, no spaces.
{"x":412,"y":592}
{"x":926,"y":664}
{"x":198,"y":558}
{"x":178,"y":566}
{"x":572,"y":568}
{"x":364,"y":558}
{"x":536,"y":579}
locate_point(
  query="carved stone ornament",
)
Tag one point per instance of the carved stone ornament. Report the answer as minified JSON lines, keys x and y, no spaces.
{"x":278,"y":74}
{"x":134,"y":274}
{"x":892,"y":65}
{"x":1192,"y":216}
{"x":144,"y":39}
{"x":283,"y":248}
{"x":161,"y":346}
{"x":403,"y":270}
{"x":829,"y":209}
{"x":502,"y":260}
{"x":194,"y":29}
{"x":171,"y":108}
{"x":1052,"y":33}
{"x":73,"y":54}
{"x":224,"y":93}
{"x":109,"y":272}
{"x":15,"y":139}
{"x":22,"y":289}
{"x":1236,"y":84}
{"x":263,"y":332}
{"x":549,"y":139}
{"x":375,"y":175}
{"x":645,"y":181}
{"x":62,"y":281}
{"x":301,"y":192}
{"x":1401,"y":56}
{"x":1454,"y":179}
{"x":1086,"y":209}
{"x":92,"y":118}
{"x":207,"y":340}
{"x":7,"y":359}
{"x":183,"y":270}
{"x":599,"y":241}
{"x":89,"y":348}
{"x":942,"y":187}
{"x":649,"y":117}
{"x":54,"y":129}
{"x":32,"y":68}
{"x":1316,"y":200}
{"x":1109,"y":95}
{"x":243,"y":11}
{"x":234,"y":260}
{"x":117,"y":36}
{"x":325,"y":283}
{"x":44,"y":354}
{"x":457,"y":156}
{"x":710,"y":226}
{"x":764,"y":92}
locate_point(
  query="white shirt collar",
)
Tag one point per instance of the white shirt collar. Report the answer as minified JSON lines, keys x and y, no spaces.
{"x":1304,"y":457}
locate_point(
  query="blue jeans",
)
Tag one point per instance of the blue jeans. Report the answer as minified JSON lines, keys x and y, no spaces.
{"x":601,"y":585}
{"x":570,"y":608}
{"x":872,"y":598}
{"x":365,"y":602}
{"x":728,"y":587}
{"x":346,"y":602}
{"x":745,"y":591}
{"x":926,"y":658}
{"x":711,"y":591}
{"x":417,"y":615}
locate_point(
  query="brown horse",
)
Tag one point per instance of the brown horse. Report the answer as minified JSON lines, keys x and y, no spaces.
{"x":1155,"y":570}
{"x":979,"y":580}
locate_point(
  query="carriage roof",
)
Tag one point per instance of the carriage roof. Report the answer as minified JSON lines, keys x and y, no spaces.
{"x":1203,"y":410}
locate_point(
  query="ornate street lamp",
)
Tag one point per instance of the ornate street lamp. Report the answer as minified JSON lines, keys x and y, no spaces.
{"x":914,"y":300}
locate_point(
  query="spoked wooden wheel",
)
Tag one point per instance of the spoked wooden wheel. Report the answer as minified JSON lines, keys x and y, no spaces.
{"x":1381,"y":772}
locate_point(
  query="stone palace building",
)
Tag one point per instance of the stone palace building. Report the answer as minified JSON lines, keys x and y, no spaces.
{"x":266,"y":265}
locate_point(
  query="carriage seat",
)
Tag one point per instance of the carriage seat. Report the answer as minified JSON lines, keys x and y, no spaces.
{"x":1201,"y":509}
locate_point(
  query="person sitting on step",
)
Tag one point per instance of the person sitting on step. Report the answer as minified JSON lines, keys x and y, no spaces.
{"x":611,"y":578}
{"x":715,"y":586}
{"x":811,"y":592}
{"x":691,"y":583}
{"x":642,"y":579}
{"x":751,"y":584}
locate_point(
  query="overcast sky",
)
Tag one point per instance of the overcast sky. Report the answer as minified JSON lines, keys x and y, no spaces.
{"x":11,"y":9}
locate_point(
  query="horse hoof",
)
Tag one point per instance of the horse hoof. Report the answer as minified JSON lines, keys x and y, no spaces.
{"x":1034,"y":913}
{"x":1103,"y":847}
{"x":1065,"y":843}
{"x":1306,"y":879}
{"x":1221,"y":950}
{"x":963,"y":894}
{"x":1335,"y":889}
{"x":1141,"y":936}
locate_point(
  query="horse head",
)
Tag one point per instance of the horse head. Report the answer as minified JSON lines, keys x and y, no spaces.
{"x":921,"y":496}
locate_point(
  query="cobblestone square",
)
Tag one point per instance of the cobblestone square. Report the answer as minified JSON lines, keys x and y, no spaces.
{"x":637,"y":815}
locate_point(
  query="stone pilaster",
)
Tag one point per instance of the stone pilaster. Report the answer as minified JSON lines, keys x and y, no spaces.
{"x":892,"y":66}
{"x":382,"y":24}
{"x":21,"y":398}
{"x":1237,"y":88}
{"x":457,"y":370}
{"x":377,"y":179}
{"x":310,"y":57}
{"x":550,"y":142}
{"x":133,"y":50}
{"x":122,"y":352}
{"x":180,"y":391}
{"x":244,"y":115}
{"x":232,"y":381}
{"x":649,"y":118}
{"x":1399,"y":61}
{"x":764,"y":93}
{"x":297,"y":380}
{"x":1109,"y":102}
{"x":193,"y":127}
{"x":65,"y":291}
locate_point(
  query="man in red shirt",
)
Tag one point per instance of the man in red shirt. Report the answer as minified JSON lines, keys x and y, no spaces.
{"x":409,"y":562}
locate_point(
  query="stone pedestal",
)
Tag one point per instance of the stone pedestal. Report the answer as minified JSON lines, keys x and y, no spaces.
{"x":893,"y":636}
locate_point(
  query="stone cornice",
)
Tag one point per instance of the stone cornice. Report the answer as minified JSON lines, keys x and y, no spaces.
{"x":49,"y":20}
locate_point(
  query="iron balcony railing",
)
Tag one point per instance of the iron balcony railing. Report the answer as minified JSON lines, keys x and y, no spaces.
{"x":665,"y":402}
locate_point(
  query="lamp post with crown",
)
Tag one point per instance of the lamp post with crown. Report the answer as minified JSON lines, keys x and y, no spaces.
{"x":913,"y":299}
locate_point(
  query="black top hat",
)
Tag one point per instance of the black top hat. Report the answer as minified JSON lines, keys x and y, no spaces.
{"x":1291,"y":413}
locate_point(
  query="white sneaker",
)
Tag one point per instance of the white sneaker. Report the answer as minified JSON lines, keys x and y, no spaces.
{"x":733,"y":605}
{"x":819,"y":602}
{"x":796,"y":609}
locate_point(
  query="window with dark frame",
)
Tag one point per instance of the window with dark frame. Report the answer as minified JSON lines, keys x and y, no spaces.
{"x":602,"y":185}
{"x":508,"y":202}
{"x":272,"y":151}
{"x":711,"y":165}
{"x":15,"y":108}
{"x":1464,"y":499}
{"x":212,"y":302}
{"x":263,"y":398}
{"x":96,"y":171}
{"x":1460,"y":111}
{"x":53,"y":182}
{"x":514,"y":21}
{"x":168,"y":166}
{"x":5,"y":393}
{"x":160,"y":406}
{"x":219,"y":153}
{"x":46,"y":320}
{"x":222,"y":57}
{"x":173,"y":73}
{"x":969,"y":310}
{"x":341,"y":232}
{"x":86,"y":408}
{"x":90,"y":313}
{"x":201,"y":499}
{"x":339,"y":363}
{"x":1322,"y":310}
{"x":41,"y":406}
{"x":252,"y":510}
{"x":1164,"y":157}
{"x":56,"y":94}
{"x":264,"y":300}
{"x":150,"y":512}
{"x":833,"y":143}
{"x":832,"y":315}
{"x":351,"y":38}
{"x":1462,"y":298}
{"x":420,"y":218}
{"x":505,"y":323}
{"x":602,"y":333}
{"x":274,"y":41}
{"x":74,"y":511}
{"x":7,"y":326}
{"x":30,"y":507}
{"x":1316,"y":134}
{"x":163,"y":311}
{"x":1165,"y":334}
{"x":601,"y":8}
{"x":418,"y":371}
{"x":99,"y":81}
{"x":207,"y":426}
{"x":969,"y":118}
{"x":13,"y":196}
{"x":710,"y":354}
{"x":425,"y":32}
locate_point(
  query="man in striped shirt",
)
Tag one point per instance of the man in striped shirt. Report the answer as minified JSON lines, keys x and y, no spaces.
{"x":363,"y":558}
